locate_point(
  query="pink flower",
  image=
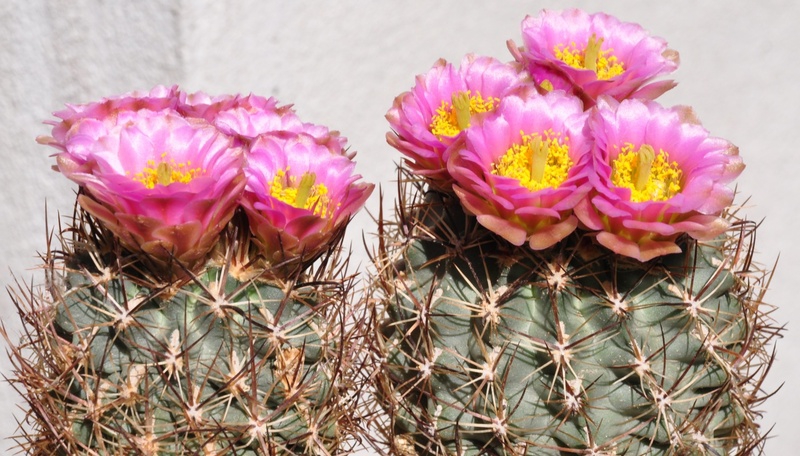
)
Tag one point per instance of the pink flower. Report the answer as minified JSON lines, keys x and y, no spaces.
{"x":429,"y":118}
{"x":657,"y":174}
{"x":163,"y":184}
{"x":597,"y":53}
{"x":247,"y":117}
{"x":523,"y":169}
{"x":158,"y":98}
{"x":299,"y":194}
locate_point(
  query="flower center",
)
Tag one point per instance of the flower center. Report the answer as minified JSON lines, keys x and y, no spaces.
{"x":306,"y":194}
{"x":592,"y":57}
{"x":540,"y":161}
{"x":166,"y":173}
{"x":453,"y":117}
{"x":649,"y":176}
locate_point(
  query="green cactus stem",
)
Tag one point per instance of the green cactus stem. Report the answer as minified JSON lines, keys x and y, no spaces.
{"x":490,"y":349}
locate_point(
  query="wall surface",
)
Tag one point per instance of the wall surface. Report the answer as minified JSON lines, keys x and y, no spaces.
{"x":342,"y":63}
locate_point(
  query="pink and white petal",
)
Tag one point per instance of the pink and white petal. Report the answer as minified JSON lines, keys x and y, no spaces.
{"x":548,"y":236}
{"x":504,"y":228}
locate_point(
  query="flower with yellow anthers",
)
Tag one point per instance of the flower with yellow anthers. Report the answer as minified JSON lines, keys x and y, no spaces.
{"x":302,"y":193}
{"x":594,"y":53}
{"x":299,"y":193}
{"x":592,"y":57}
{"x":447,"y":100}
{"x":164,"y":184}
{"x":455,"y":115}
{"x":656,"y":175}
{"x":523,"y":169}
{"x":166,"y":172}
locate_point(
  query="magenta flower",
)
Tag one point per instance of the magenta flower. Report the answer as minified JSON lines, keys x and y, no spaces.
{"x":163,"y":184}
{"x":597,"y":53}
{"x":657,"y":174}
{"x":299,"y":193}
{"x":158,"y":98}
{"x":429,"y":118}
{"x":247,"y":117}
{"x":523,"y":169}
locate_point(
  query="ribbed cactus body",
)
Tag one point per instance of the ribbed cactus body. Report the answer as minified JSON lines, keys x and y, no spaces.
{"x":493,"y":349}
{"x":213,"y":365}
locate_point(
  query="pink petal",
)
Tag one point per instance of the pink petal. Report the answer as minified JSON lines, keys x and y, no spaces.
{"x":504,"y":228}
{"x":551,"y":234}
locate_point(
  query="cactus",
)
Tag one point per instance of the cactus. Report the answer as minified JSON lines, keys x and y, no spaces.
{"x":489,"y":349}
{"x":116,"y":364}
{"x":557,"y":280}
{"x":236,"y":343}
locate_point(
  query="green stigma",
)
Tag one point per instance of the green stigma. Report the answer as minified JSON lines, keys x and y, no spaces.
{"x":646,"y":155}
{"x":461,"y":108}
{"x":304,"y":188}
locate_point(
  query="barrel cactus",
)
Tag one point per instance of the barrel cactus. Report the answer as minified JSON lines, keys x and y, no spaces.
{"x":565,"y":273}
{"x":198,"y":299}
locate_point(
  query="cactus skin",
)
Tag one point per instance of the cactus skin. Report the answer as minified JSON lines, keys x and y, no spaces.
{"x":491,"y":349}
{"x":115,"y":363}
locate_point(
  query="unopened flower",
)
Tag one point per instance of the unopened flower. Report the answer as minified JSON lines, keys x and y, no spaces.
{"x":163,"y":184}
{"x":657,"y":174}
{"x":444,"y":102}
{"x":597,"y":53}
{"x":299,"y":193}
{"x":523,"y":169}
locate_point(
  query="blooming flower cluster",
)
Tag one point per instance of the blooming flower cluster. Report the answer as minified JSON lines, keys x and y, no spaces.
{"x":166,"y":170}
{"x":567,"y":136}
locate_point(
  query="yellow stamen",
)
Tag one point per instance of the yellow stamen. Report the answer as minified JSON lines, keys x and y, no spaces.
{"x":593,"y":57}
{"x":546,"y":85}
{"x":540,"y":161}
{"x":166,"y":173}
{"x":455,"y":116}
{"x":649,"y":175}
{"x":306,"y":194}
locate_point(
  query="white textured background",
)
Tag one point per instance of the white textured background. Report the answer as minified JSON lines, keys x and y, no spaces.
{"x":341,"y":63}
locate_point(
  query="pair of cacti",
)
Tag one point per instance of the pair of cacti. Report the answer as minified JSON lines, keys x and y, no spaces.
{"x":198,"y":303}
{"x":564,"y":278}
